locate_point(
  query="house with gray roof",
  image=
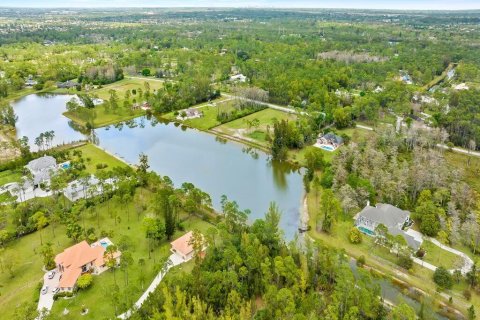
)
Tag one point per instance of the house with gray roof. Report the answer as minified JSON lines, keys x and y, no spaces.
{"x":395,"y":219}
{"x":41,"y":169}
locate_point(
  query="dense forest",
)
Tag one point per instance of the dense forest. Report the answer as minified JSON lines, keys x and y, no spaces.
{"x":305,"y":60}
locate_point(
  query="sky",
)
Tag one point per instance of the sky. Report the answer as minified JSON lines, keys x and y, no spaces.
{"x":357,"y":4}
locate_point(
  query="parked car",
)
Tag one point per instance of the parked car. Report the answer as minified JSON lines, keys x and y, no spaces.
{"x":44,"y":290}
{"x":51,"y":274}
{"x":55,"y":290}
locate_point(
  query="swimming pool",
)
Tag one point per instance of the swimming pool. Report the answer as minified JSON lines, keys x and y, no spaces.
{"x":328,"y":148}
{"x":104,"y":244}
{"x":65,"y":165}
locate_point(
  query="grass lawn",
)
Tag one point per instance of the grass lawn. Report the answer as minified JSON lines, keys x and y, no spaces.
{"x":9,"y":176}
{"x":266,"y":119}
{"x":209,"y":119}
{"x":98,"y":299}
{"x":439,"y":257}
{"x":298,"y":156}
{"x":104,"y":117}
{"x":126,"y":84}
{"x":98,"y":156}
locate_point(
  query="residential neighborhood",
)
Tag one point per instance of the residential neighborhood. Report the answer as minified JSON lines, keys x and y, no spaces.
{"x":239,"y":161}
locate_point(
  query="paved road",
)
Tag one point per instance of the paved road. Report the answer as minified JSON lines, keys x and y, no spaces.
{"x":174,"y":260}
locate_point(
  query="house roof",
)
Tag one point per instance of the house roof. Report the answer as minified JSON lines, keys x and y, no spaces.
{"x":333,"y":137}
{"x":386,"y":214}
{"x":73,"y":258}
{"x":42,"y":163}
{"x":182,"y":244}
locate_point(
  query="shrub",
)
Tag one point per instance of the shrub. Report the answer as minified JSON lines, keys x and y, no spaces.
{"x":355,"y":236}
{"x":361,"y":261}
{"x":101,"y":165}
{"x":420,"y":253}
{"x":443,"y":278}
{"x":62,"y":294}
{"x":405,"y":261}
{"x":467,"y":294}
{"x":85,"y":281}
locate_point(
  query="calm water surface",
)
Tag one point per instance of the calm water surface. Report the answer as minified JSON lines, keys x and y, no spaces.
{"x":40,"y":113}
{"x":185,"y":155}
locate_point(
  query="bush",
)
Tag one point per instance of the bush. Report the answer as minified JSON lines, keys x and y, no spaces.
{"x":101,"y":165}
{"x":361,"y":261}
{"x":62,"y":294}
{"x":420,"y":253}
{"x":84,"y":281}
{"x":405,"y":261}
{"x":355,"y":236}
{"x":467,"y":294}
{"x":443,"y":278}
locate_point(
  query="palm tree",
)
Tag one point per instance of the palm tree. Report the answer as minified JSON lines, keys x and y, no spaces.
{"x":110,"y":261}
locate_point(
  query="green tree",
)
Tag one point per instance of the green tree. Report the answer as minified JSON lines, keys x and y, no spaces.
{"x":403,"y":312}
{"x":40,"y":221}
{"x":48,"y":256}
{"x":109,"y":256}
{"x":330,"y":208}
{"x":471,"y":313}
{"x":355,"y":236}
{"x":443,"y":278}
{"x":74,"y":230}
{"x":85,"y":281}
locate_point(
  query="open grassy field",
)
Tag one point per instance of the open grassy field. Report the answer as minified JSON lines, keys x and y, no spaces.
{"x":94,"y":155}
{"x":9,"y":176}
{"x":104,"y":117}
{"x":439,"y":257}
{"x":266,"y":118}
{"x":127,"y":84}
{"x":27,"y":260}
{"x":210,"y":111}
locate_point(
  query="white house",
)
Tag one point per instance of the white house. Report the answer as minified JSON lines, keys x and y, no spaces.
{"x":41,"y":169}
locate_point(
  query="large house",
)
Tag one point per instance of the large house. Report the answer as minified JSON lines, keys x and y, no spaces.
{"x":183,"y":247}
{"x":41,"y":169}
{"x":395,"y":219}
{"x":82,"y":258}
{"x":329,"y":141}
{"x":77,"y":189}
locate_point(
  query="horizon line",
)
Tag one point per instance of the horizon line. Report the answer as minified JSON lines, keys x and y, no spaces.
{"x":236,"y":7}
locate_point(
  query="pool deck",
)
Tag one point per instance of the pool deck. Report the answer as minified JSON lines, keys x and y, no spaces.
{"x":325,"y":147}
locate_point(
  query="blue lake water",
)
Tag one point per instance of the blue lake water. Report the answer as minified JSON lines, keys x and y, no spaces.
{"x":185,"y":155}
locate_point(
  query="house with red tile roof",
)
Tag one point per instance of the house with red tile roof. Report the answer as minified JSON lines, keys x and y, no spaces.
{"x":82,"y":258}
{"x":183,"y":247}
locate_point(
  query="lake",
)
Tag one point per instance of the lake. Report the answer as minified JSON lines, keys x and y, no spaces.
{"x":185,"y":155}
